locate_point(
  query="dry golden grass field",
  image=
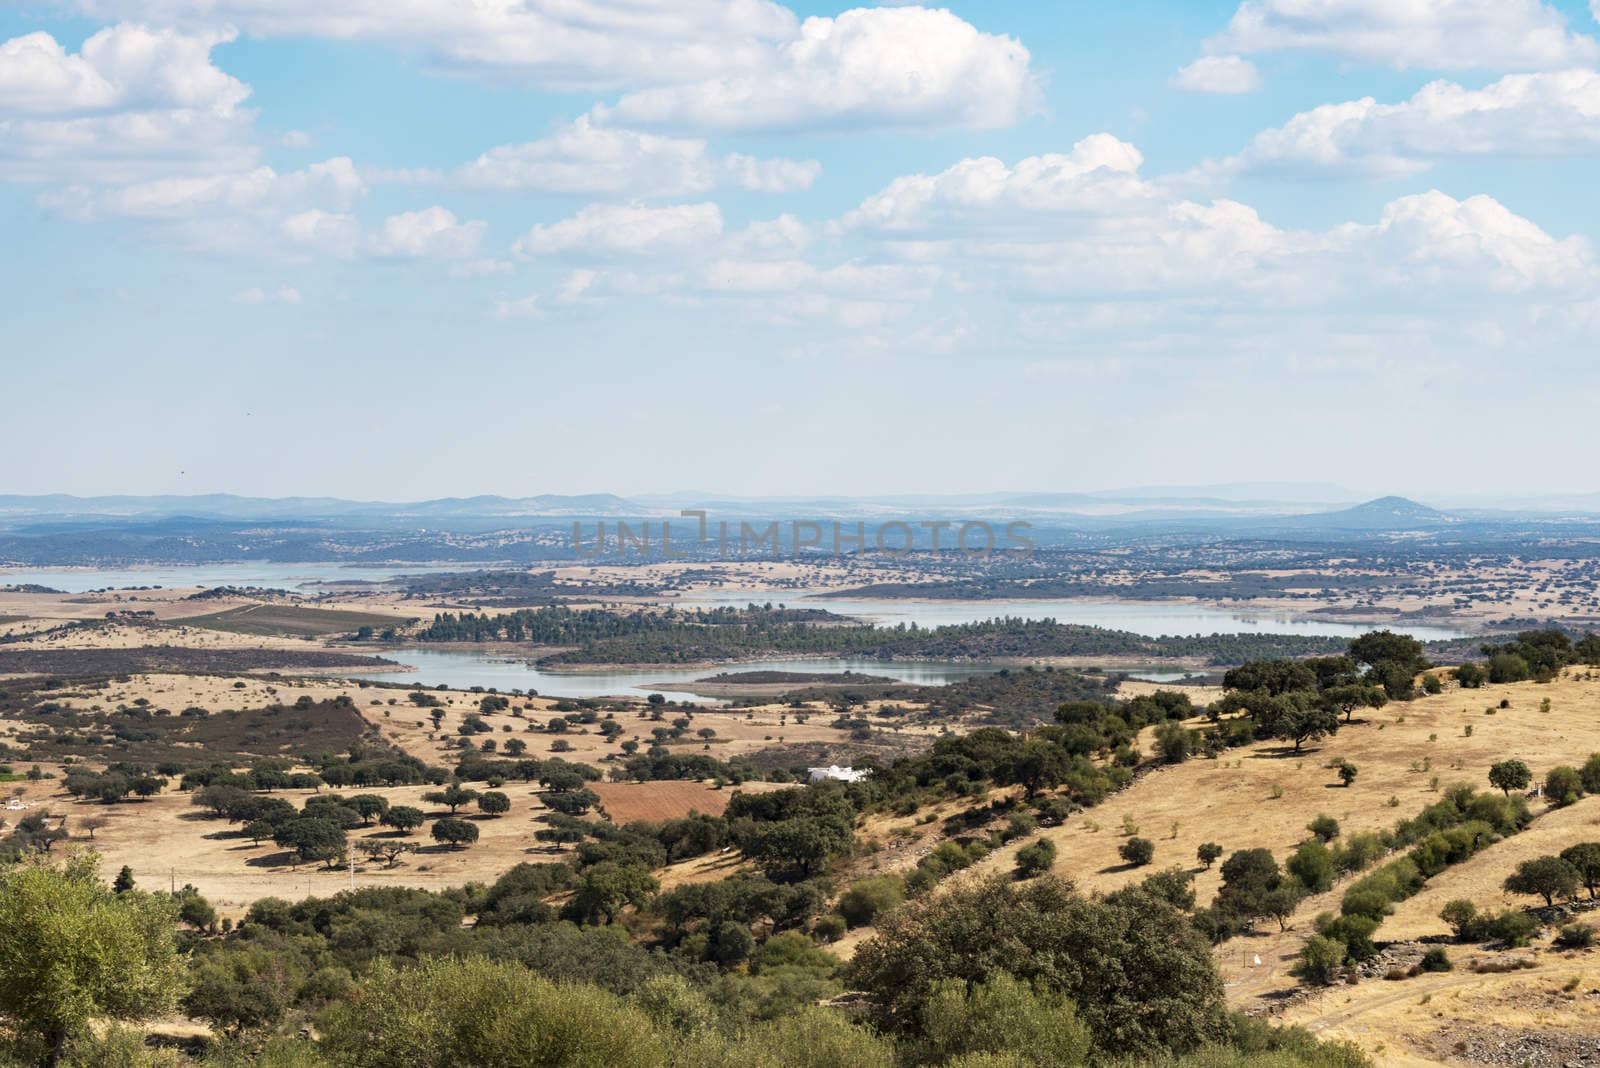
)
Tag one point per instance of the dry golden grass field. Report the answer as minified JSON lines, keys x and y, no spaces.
{"x":1263,"y":795}
{"x":168,"y":841}
{"x":628,"y":802}
{"x":165,"y":840}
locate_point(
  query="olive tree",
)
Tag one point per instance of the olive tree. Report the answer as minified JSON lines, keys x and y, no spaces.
{"x":73,"y":950}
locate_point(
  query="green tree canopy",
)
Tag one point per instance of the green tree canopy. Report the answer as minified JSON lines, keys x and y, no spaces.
{"x":72,"y":950}
{"x":1139,"y":973}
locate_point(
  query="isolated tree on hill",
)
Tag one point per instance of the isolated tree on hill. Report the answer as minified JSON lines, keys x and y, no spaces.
{"x":1510,"y":775}
{"x":124,"y":881}
{"x":1208,"y":853}
{"x":1346,"y":699}
{"x":388,"y":849}
{"x":1347,"y":772}
{"x":1585,"y":860}
{"x":1546,"y":877}
{"x":1137,"y":851}
{"x":454,"y":832}
{"x":72,"y":951}
{"x":452,"y":797}
{"x":494,"y":803}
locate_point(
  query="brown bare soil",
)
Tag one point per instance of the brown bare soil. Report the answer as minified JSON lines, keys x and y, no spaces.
{"x":625,"y":802}
{"x":291,"y":620}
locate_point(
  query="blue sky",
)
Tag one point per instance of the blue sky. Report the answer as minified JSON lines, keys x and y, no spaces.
{"x":412,"y":248}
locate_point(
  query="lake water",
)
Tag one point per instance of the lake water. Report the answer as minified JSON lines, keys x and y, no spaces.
{"x":269,"y":575}
{"x":1154,"y":620}
{"x":1150,"y":619}
{"x":463,"y":670}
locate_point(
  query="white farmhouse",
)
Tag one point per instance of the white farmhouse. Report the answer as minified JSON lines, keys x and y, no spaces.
{"x":834,"y":771}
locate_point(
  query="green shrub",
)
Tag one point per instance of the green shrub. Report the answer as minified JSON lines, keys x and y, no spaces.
{"x":1036,"y":859}
{"x":868,"y":898}
{"x":443,"y":1012}
{"x":1001,"y":1016}
{"x":1324,"y":827}
{"x":1575,"y":936}
{"x":1436,"y":960}
{"x":1321,"y":959}
{"x":1563,"y":785}
{"x":1512,"y":928}
{"x":1137,"y":851}
{"x":1461,"y":915}
{"x":830,"y":928}
{"x":1312,"y":865}
{"x":1356,"y":934}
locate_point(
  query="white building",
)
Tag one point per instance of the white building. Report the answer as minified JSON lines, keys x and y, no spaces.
{"x":834,"y":771}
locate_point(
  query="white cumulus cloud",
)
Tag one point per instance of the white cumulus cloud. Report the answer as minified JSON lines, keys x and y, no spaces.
{"x":432,"y":233}
{"x":606,"y":230}
{"x":131,"y":103}
{"x":583,"y":158}
{"x":868,"y":67}
{"x":582,"y":44}
{"x":1101,"y":172}
{"x":1545,"y":114}
{"x":1405,"y":34}
{"x":1219,"y":74}
{"x":711,"y":64}
{"x":121,"y":66}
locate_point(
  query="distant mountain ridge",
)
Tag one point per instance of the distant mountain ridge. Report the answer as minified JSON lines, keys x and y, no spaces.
{"x":1201,"y":507}
{"x":230,"y":506}
{"x":1384,"y":513}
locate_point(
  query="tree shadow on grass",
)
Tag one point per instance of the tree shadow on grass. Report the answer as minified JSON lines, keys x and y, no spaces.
{"x":285,"y":859}
{"x":1118,"y":868}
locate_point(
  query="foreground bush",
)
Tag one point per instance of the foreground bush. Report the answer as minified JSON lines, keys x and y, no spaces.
{"x":447,"y":1013}
{"x":72,"y":950}
{"x":1140,"y":974}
